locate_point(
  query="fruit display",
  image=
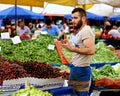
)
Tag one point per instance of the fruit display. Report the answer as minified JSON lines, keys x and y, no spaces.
{"x":31,"y":91}
{"x":16,"y":69}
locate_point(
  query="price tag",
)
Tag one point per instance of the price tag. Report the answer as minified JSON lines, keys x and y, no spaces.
{"x":5,"y":35}
{"x":51,"y":47}
{"x":16,"y":40}
{"x":0,"y":48}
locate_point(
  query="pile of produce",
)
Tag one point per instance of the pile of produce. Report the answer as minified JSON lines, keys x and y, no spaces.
{"x":103,"y":54}
{"x":16,"y":69}
{"x":107,"y":76}
{"x":10,"y":71}
{"x":31,"y":91}
{"x":30,"y":50}
{"x":106,"y":71}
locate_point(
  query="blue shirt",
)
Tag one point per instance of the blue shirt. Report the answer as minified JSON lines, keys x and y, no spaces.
{"x":54,"y":30}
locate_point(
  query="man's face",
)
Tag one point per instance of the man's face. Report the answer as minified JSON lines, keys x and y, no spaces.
{"x":22,"y":24}
{"x":76,"y":20}
{"x":48,"y":26}
{"x":30,"y":25}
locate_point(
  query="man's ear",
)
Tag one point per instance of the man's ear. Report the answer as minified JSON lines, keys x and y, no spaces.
{"x":84,"y":18}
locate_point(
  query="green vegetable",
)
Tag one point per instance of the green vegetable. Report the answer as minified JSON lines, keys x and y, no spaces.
{"x":31,"y":50}
{"x":31,"y":91}
{"x":103,"y":54}
{"x":106,"y":71}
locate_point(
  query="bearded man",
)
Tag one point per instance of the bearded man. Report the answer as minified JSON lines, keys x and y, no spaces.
{"x":83,"y":49}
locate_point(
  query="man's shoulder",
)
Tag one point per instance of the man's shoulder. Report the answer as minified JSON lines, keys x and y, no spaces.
{"x":87,"y":27}
{"x":26,"y":27}
{"x":113,"y":31}
{"x":54,"y":26}
{"x":43,"y":28}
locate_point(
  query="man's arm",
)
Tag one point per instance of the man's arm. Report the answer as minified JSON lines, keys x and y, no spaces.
{"x":89,"y":48}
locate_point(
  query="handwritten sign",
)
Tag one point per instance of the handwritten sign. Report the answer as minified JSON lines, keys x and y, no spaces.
{"x":51,"y":47}
{"x":16,"y":40}
{"x":5,"y":35}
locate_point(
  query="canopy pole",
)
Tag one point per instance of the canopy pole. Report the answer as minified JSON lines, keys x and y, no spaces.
{"x":31,"y":8}
{"x":15,"y":15}
{"x":44,"y":8}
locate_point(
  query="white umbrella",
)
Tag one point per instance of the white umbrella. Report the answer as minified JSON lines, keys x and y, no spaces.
{"x":102,"y":10}
{"x":114,"y":3}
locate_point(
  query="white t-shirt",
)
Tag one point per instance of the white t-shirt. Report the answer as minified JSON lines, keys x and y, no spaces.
{"x":115,"y":33}
{"x":82,"y":60}
{"x":37,"y":32}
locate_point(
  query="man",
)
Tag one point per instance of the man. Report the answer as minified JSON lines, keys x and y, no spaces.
{"x":51,"y":28}
{"x":32,"y":28}
{"x":83,"y":49}
{"x":23,"y":31}
{"x":114,"y":32}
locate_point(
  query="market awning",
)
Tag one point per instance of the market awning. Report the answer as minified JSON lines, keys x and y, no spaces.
{"x":70,"y":2}
{"x":115,"y":17}
{"x":114,"y":3}
{"x":34,"y":3}
{"x":90,"y":16}
{"x":19,"y":13}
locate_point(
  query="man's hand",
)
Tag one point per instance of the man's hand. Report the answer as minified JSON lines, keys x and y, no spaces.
{"x":67,"y":45}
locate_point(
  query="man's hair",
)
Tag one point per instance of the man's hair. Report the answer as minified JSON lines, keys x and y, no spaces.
{"x":108,"y":27}
{"x":81,"y":11}
{"x":48,"y":22}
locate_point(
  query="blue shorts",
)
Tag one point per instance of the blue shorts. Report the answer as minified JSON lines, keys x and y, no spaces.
{"x":79,"y":79}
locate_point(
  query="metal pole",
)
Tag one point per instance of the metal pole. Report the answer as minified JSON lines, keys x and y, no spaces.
{"x":16,"y":15}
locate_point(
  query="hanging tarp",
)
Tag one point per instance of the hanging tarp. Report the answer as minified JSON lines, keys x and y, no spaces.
{"x":70,"y":2}
{"x":74,"y":3}
{"x":90,"y":16}
{"x":102,"y":10}
{"x":115,"y":17}
{"x":21,"y":13}
{"x":114,"y":3}
{"x":35,"y":3}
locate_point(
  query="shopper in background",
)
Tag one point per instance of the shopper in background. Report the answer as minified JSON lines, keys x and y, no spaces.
{"x":80,"y":71}
{"x":9,"y":28}
{"x":51,"y":29}
{"x":114,"y":32}
{"x":23,"y":31}
{"x":104,"y":34}
{"x":32,"y":28}
{"x":37,"y":32}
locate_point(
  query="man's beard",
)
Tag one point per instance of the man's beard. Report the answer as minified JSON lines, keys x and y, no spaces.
{"x":78,"y":26}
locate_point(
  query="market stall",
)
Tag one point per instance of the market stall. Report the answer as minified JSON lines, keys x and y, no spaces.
{"x":35,"y":59}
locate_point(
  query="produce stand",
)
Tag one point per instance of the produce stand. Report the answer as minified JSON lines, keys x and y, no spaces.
{"x":57,"y":89}
{"x":67,"y":91}
{"x":97,"y":91}
{"x":102,"y":91}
